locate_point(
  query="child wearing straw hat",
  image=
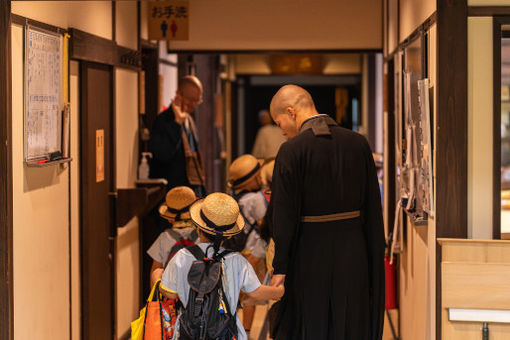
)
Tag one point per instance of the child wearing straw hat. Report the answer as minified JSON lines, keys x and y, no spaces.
{"x":217,"y":218}
{"x":181,"y":233}
{"x":246,"y":182}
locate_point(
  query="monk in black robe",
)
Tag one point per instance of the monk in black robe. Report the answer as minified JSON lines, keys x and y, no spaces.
{"x":327,"y":226}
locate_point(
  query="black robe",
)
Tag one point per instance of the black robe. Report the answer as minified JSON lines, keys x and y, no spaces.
{"x":334,"y":286}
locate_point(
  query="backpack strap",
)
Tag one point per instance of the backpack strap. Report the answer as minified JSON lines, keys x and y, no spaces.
{"x":221,"y":255}
{"x":193,"y":235}
{"x":177,"y":236}
{"x":197,"y":252}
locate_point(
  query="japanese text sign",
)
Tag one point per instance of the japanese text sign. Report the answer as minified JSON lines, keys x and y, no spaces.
{"x":168,"y":20}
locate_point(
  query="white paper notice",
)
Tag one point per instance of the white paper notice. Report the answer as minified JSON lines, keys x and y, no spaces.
{"x":43,"y":89}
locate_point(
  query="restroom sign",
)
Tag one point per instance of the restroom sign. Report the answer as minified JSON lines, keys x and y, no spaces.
{"x":168,"y":20}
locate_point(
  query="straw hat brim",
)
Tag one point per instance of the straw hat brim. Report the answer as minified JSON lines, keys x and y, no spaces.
{"x":170,"y":216}
{"x":200,"y":223}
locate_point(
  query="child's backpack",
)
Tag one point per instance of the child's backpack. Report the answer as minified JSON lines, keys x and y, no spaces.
{"x":181,"y":242}
{"x":207,"y":315}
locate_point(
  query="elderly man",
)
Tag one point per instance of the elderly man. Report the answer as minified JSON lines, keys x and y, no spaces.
{"x":327,"y":227}
{"x":174,"y":140}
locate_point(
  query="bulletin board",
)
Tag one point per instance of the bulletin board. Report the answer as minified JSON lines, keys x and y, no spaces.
{"x":43,"y":110}
{"x":414,"y":131}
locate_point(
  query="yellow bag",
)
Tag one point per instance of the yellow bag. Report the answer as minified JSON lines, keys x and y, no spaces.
{"x":138,"y":325}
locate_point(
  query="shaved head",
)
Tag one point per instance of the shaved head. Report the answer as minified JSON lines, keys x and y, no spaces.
{"x":291,"y":96}
{"x":290,"y":107}
{"x":190,"y":81}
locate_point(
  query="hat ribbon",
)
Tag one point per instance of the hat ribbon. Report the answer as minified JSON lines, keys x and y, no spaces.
{"x":213,"y":225}
{"x":244,"y":178}
{"x":178,"y":212}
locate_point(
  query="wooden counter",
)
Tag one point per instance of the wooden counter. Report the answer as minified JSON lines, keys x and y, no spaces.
{"x":475,"y":275}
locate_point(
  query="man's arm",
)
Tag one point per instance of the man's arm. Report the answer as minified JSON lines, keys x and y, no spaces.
{"x":373,"y":229}
{"x":285,"y":199}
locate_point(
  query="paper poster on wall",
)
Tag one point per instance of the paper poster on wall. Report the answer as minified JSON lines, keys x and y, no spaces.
{"x":99,"y":155}
{"x":43,"y":104}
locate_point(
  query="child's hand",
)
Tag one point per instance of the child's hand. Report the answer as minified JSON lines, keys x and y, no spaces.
{"x":280,"y":291}
{"x":156,"y":275}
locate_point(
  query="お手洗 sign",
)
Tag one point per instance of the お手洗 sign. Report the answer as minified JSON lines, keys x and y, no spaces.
{"x":168,"y":20}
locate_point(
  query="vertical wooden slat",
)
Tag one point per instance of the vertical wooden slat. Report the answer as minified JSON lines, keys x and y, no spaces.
{"x":496,"y":138}
{"x":6,"y":279}
{"x":451,"y":155}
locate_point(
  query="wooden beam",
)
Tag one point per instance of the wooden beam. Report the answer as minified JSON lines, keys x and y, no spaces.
{"x":88,"y":47}
{"x":451,"y":129}
{"x":488,"y":11}
{"x":6,"y":272}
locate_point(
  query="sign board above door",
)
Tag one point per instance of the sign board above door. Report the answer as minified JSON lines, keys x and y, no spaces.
{"x":168,"y":20}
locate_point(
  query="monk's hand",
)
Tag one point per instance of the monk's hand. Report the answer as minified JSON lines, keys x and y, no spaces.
{"x":277,"y":280}
{"x":179,"y":113}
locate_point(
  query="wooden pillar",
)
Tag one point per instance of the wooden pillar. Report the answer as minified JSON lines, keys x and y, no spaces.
{"x":451,"y":130}
{"x":6,"y":280}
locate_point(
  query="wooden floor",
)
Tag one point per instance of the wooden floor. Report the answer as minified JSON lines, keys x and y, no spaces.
{"x":261,"y":312}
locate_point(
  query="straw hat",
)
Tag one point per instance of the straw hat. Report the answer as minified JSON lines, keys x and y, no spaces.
{"x":177,"y":203}
{"x":217,"y":213}
{"x":243,"y":169}
{"x":378,"y":159}
{"x":267,"y":173}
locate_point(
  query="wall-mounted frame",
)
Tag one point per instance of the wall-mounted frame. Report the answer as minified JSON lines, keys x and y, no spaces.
{"x":413,"y":117}
{"x":45,"y":115}
{"x":499,"y":22}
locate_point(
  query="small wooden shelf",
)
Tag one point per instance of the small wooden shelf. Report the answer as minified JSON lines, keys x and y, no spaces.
{"x":35,"y":164}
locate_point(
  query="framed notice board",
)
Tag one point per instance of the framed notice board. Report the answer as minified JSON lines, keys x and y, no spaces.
{"x":44,"y":116}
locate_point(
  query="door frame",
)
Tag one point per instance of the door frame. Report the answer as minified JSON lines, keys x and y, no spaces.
{"x":112,"y":173}
{"x":6,"y":198}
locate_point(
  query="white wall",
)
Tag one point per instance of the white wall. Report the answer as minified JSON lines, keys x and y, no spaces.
{"x":480,"y":127}
{"x":283,"y":25}
{"x":40,"y":230}
{"x":126,"y":136}
{"x":168,"y":86}
{"x":46,"y":201}
{"x":413,"y":13}
{"x":94,"y":17}
{"x":126,"y":22}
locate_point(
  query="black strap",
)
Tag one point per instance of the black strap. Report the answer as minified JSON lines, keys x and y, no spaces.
{"x":221,"y":255}
{"x":247,"y":176}
{"x":197,"y":252}
{"x":214,"y":226}
{"x":179,"y":212}
{"x":193,"y":235}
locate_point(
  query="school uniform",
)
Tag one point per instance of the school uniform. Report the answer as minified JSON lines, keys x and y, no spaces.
{"x":237,"y":272}
{"x":253,"y":206}
{"x":160,"y":249}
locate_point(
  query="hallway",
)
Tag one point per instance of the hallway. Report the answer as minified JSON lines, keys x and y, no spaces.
{"x":82,"y":83}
